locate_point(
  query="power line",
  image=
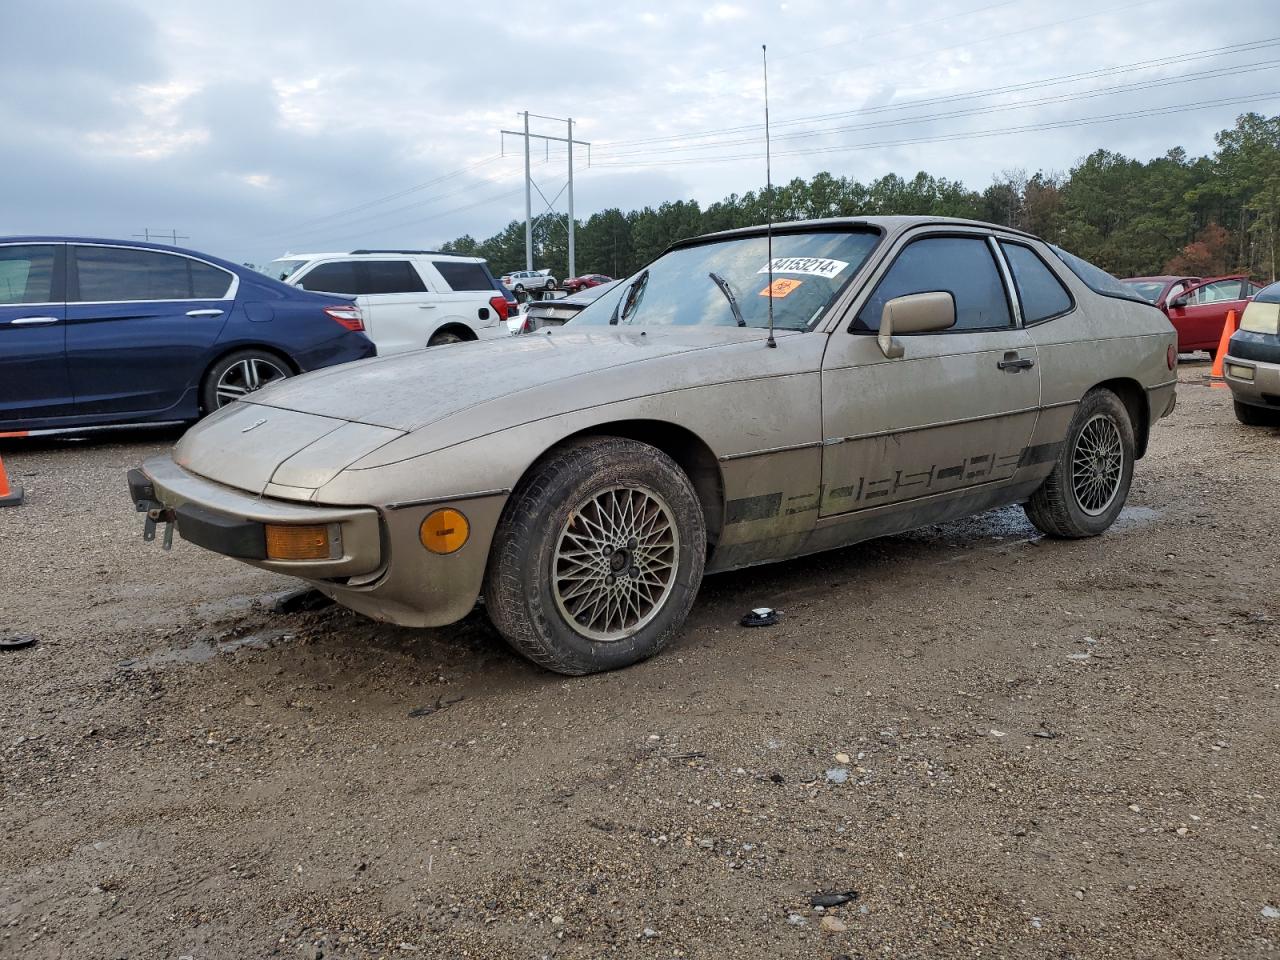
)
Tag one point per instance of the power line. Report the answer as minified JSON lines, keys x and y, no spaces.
{"x":409,"y":206}
{"x":863,"y":65}
{"x":1237,"y":70}
{"x":1170,"y":60}
{"x":388,"y":198}
{"x":968,"y":135}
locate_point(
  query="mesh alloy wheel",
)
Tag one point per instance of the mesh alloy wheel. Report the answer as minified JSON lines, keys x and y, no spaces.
{"x":246,"y":376}
{"x":615,"y":562}
{"x":1097,"y":464}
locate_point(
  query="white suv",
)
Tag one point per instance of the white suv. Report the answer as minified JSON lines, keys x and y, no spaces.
{"x":522,"y":280}
{"x":410,"y":298}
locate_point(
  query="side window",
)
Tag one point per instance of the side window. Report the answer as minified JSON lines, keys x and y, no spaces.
{"x":962,"y":266}
{"x":1251,"y":289}
{"x":208,"y":282}
{"x":391,"y":276}
{"x":1175,"y":291}
{"x":337,"y":277}
{"x":26,"y":274}
{"x":1041,"y":293}
{"x":114,"y":274}
{"x":1217,"y":292}
{"x":463,"y":276}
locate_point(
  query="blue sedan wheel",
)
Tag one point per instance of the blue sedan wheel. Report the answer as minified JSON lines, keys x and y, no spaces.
{"x":239,"y":375}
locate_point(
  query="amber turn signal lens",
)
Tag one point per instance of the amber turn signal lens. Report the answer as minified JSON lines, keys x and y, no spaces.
{"x":444,"y":531}
{"x":297,"y":542}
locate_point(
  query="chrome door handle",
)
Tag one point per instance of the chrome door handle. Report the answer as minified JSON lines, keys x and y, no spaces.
{"x":1012,"y":363}
{"x":426,"y":306}
{"x":204,"y":313}
{"x":32,"y":321}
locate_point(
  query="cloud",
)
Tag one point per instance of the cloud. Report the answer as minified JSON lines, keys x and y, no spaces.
{"x":260,"y":127}
{"x":723,"y":13}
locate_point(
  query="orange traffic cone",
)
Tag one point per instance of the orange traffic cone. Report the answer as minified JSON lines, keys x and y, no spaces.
{"x":1224,"y":341}
{"x":9,"y":496}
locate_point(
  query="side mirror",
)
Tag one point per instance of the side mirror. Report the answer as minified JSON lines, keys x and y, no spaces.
{"x":915,"y":313}
{"x":1178,"y":302}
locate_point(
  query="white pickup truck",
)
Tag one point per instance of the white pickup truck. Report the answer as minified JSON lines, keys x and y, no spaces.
{"x":410,"y":298}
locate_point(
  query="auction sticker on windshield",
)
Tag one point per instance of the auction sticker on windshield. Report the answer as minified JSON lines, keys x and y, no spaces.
{"x":780,"y":288}
{"x":810,"y":266}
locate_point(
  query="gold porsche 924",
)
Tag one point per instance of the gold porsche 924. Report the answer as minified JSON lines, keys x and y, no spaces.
{"x":583,"y":479}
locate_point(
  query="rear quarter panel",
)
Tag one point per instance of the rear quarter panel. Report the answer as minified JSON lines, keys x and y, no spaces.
{"x":1103,"y":339}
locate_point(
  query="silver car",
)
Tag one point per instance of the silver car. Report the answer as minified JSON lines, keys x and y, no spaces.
{"x":1252,"y":364}
{"x":722,"y":408}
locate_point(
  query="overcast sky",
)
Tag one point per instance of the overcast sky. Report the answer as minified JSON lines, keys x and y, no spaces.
{"x":257,"y":128}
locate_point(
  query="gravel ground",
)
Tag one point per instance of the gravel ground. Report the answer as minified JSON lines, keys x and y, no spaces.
{"x":1047,"y":749}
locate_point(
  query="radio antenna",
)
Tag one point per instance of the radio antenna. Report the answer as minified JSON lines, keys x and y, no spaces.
{"x":768,"y":181}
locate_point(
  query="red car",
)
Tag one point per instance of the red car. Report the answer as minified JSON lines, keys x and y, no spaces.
{"x":575,"y":284}
{"x":1197,"y":307}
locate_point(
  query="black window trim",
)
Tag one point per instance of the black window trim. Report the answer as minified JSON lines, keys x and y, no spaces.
{"x":999,"y":240}
{"x":59,"y":284}
{"x":930,"y":233}
{"x":73,"y":275}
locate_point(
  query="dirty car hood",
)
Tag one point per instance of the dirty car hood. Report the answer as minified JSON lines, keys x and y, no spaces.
{"x":409,"y":391}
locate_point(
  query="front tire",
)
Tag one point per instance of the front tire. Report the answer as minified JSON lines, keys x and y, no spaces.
{"x":239,"y":374}
{"x":597,"y":558}
{"x":1090,"y":480}
{"x":1252,"y":416}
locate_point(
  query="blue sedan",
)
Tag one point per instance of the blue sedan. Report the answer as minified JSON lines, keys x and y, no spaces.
{"x":102,"y":332}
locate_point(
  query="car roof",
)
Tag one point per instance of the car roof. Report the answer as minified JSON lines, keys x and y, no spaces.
{"x":365,"y":254}
{"x":887,"y":225}
{"x":139,"y":244}
{"x":1268,"y":294}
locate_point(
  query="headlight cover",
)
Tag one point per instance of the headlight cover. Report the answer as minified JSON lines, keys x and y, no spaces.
{"x":1261,"y":318}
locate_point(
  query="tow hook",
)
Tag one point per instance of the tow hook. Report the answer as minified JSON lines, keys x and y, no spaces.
{"x":157,"y":515}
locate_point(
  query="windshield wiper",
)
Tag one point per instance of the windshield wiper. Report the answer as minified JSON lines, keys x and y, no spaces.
{"x":727,"y":290}
{"x":623,"y":307}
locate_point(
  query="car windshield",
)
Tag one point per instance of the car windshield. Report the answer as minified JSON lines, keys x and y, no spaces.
{"x":1148,"y":290}
{"x":699,"y":285}
{"x":282,"y":269}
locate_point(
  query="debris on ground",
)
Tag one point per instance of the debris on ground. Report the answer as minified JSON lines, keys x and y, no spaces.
{"x":760,"y":617}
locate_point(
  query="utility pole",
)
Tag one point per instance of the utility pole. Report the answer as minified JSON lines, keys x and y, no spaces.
{"x":530,"y":186}
{"x":528,"y":200}
{"x":173,"y":235}
{"x":572,"y":270}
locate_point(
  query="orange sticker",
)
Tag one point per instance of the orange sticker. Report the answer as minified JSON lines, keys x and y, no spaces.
{"x":781,"y":287}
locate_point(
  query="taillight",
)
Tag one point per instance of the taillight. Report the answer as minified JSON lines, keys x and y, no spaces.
{"x":500,"y":305}
{"x":1171,"y":356}
{"x":349,"y":316}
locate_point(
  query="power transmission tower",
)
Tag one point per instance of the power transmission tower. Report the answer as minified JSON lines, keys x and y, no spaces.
{"x":530,"y":186}
{"x":173,"y":236}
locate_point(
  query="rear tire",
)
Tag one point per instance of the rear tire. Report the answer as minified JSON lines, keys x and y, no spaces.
{"x":597,"y":558}
{"x":1252,"y":416}
{"x":1087,"y":487}
{"x":440,"y":338}
{"x":239,"y":374}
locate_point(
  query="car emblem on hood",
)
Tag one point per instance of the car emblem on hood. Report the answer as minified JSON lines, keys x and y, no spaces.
{"x":255,"y":425}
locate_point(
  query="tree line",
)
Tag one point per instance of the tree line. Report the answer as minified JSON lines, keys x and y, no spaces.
{"x":1173,"y":214}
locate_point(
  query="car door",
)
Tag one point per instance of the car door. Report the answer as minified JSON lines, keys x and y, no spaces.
{"x":464,"y":290}
{"x":141,"y":325}
{"x":396,"y":298}
{"x":1200,"y":312}
{"x":34,"y":384}
{"x":954,"y":412}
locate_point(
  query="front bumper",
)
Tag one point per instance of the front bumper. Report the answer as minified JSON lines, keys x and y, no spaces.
{"x":1262,"y":389}
{"x":233,"y":523}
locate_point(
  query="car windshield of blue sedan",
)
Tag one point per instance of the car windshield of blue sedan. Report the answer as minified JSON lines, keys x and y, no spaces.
{"x":728,"y":282}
